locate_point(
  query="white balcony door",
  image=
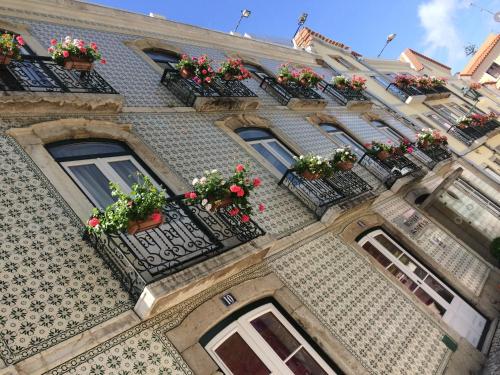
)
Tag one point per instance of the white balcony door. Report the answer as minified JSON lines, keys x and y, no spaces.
{"x":426,"y":286}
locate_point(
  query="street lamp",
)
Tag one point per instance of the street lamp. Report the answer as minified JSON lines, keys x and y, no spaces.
{"x":245,"y":13}
{"x":301,"y":21}
{"x":389,"y":39}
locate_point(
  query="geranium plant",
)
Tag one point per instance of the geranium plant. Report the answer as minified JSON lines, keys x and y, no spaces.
{"x":475,"y":85}
{"x":312,"y":167}
{"x":139,"y":210}
{"x":438,"y":82}
{"x":356,"y":83}
{"x":76,"y":49}
{"x":475,"y":119}
{"x":428,"y":138}
{"x":233,"y":69}
{"x":404,"y":80}
{"x":10,"y":47}
{"x":199,"y":69}
{"x":381,"y":150}
{"x":309,"y":78}
{"x":404,"y":147}
{"x":213,"y":191}
{"x":285,"y":74}
{"x":423,"y":82}
{"x":343,"y":158}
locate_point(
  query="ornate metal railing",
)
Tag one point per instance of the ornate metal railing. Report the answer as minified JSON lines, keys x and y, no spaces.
{"x":323,"y":193}
{"x":42,"y":74}
{"x":403,"y":93}
{"x":284,"y":93}
{"x":189,"y":235}
{"x":187,"y":90}
{"x":391,"y":169}
{"x":432,"y":155}
{"x":344,"y":95}
{"x":472,"y":133}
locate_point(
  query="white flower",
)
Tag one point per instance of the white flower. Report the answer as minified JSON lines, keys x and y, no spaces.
{"x":340,"y":150}
{"x":301,"y":157}
{"x":67,"y":39}
{"x":214,"y":170}
{"x":203,"y":180}
{"x":222,"y":182}
{"x":208,"y":207}
{"x":195,"y":181}
{"x":204,"y":202}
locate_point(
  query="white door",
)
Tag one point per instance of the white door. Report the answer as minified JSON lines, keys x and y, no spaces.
{"x":263,"y":342}
{"x":426,"y":286}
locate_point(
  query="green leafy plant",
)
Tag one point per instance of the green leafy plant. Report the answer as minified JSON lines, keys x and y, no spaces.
{"x":343,"y":155}
{"x":10,"y":45}
{"x":355,"y":83}
{"x":430,"y":137}
{"x":309,"y":78}
{"x":233,"y":69}
{"x":143,"y":202}
{"x":200,"y":68}
{"x":375,"y":147}
{"x":313,"y":164}
{"x":59,"y":51}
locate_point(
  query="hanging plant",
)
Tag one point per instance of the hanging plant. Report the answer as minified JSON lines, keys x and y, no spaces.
{"x":405,"y":147}
{"x":75,"y":54}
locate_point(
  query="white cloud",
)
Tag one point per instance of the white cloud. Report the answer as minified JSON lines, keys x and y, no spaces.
{"x":438,"y":19}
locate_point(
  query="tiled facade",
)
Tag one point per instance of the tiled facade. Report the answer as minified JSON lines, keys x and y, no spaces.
{"x":56,"y":289}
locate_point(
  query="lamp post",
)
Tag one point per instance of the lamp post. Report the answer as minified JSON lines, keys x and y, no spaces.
{"x":389,"y":39}
{"x":245,"y":13}
{"x":301,"y":21}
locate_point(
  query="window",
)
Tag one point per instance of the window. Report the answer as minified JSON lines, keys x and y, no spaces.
{"x":342,"y":138}
{"x":163,"y":58}
{"x":92,"y":164}
{"x":426,"y":286}
{"x":386,"y":130}
{"x":263,"y":342}
{"x":256,"y":70}
{"x":441,"y":121}
{"x":344,"y":62}
{"x":494,"y":70}
{"x":264,"y":142}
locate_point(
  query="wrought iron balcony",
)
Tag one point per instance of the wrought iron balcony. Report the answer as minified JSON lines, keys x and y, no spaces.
{"x":346,"y":96}
{"x":412,"y":94}
{"x":189,"y":235}
{"x":293,"y":95}
{"x":219,"y":95}
{"x":323,"y":193}
{"x":392,"y":169}
{"x":470,"y":134}
{"x":433,"y":155}
{"x":42,"y":74}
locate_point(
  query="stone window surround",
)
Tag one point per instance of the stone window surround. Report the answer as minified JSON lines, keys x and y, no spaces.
{"x":231,"y":123}
{"x":185,"y":337}
{"x":322,"y":118}
{"x":33,"y":139}
{"x":24,"y":31}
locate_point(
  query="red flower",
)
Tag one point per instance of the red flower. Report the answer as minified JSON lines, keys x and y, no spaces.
{"x":65,"y":54}
{"x":94,"y":222}
{"x":156,"y":217}
{"x":83,"y":50}
{"x":208,"y":79}
{"x":256,"y":182}
{"x":261,"y":207}
{"x":245,"y":218}
{"x":234,"y":211}
{"x":240,"y":168}
{"x":103,"y":61}
{"x":51,"y":49}
{"x":240,"y":193}
{"x":20,"y":40}
{"x":204,"y":71}
{"x":234,"y":188}
{"x":192,"y":195}
{"x":53,"y":42}
{"x":93,"y":46}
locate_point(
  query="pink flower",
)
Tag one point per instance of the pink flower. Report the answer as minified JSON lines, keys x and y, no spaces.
{"x":103,"y":61}
{"x":234,"y":211}
{"x":53,"y":42}
{"x":65,"y":54}
{"x":245,"y":218}
{"x":410,"y":150}
{"x":187,"y":195}
{"x":204,"y":72}
{"x":256,"y":182}
{"x":234,"y":188}
{"x":261,"y":207}
{"x":156,"y":217}
{"x":197,"y":80}
{"x":240,"y":168}
{"x":192,"y":195}
{"x":51,"y":49}
{"x":240,"y":193}
{"x":94,"y":222}
{"x":83,"y":50}
{"x":93,"y":46}
{"x":20,"y":40}
{"x":208,"y":79}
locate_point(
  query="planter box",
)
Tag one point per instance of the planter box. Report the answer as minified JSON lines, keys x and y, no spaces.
{"x":142,"y":225}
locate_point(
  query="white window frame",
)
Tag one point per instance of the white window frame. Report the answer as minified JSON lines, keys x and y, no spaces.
{"x":265,"y":143}
{"x":386,"y":130}
{"x":261,"y":348}
{"x":337,"y":136}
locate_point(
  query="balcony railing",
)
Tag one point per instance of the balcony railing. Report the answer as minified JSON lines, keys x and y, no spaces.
{"x":42,"y":74}
{"x":286,"y":94}
{"x":323,"y":193}
{"x":189,"y":235}
{"x":345,"y":95}
{"x":411,"y":94}
{"x":432,"y":155}
{"x":392,"y":169}
{"x":188,"y":91}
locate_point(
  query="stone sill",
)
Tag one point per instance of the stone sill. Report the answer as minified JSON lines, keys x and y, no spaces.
{"x":359,"y":105}
{"x":415,"y":99}
{"x":296,"y":104}
{"x":218,"y":104}
{"x":437,"y":96}
{"x":15,"y":102}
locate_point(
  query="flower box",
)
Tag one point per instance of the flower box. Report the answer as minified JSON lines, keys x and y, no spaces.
{"x":186,"y":73}
{"x":220,"y":203}
{"x":383,"y":155}
{"x":310,"y":176}
{"x":345,"y":165}
{"x":78,"y":63}
{"x":155,"y":220}
{"x":5,"y":59}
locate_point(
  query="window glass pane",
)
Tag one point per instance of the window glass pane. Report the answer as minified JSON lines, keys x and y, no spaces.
{"x":86,"y":150}
{"x":240,"y":358}
{"x":373,"y":251}
{"x":275,"y":334}
{"x":270,"y":157}
{"x":402,"y":277}
{"x":433,"y":305}
{"x":329,"y":128}
{"x":282,"y":151}
{"x":385,"y":242}
{"x":344,"y":139}
{"x":162,"y":57}
{"x":439,"y":288}
{"x":253,"y":134}
{"x":127,"y":171}
{"x":94,"y":182}
{"x":303,"y":364}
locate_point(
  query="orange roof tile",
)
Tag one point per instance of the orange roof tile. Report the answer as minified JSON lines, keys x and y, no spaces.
{"x":485,"y":49}
{"x":305,"y":37}
{"x":413,"y":56}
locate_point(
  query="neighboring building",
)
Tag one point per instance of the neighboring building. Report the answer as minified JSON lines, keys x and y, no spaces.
{"x":484,"y":66}
{"x":370,"y":271}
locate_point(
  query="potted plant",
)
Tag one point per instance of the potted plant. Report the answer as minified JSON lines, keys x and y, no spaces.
{"x":380,"y":150}
{"x":405,"y":147}
{"x":309,"y":78}
{"x":438,"y":82}
{"x":404,"y":80}
{"x":10,"y":47}
{"x":213,"y":192}
{"x":341,"y":82}
{"x":138,"y":211}
{"x":430,"y":138}
{"x":423,"y":82}
{"x":312,"y":167}
{"x":284,"y":74}
{"x":464,"y":122}
{"x":75,"y":54}
{"x":358,"y":83}
{"x":343,"y":159}
{"x":196,"y":68}
{"x":233,"y":69}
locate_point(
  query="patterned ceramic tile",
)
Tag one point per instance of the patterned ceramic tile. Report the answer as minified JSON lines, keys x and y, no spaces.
{"x":460,"y":261}
{"x":379,"y":325}
{"x":53,"y":286}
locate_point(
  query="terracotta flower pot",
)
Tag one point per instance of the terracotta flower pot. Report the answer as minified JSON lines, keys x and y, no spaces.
{"x":228,"y":77}
{"x":220,"y":203}
{"x":462,"y":126}
{"x":304,"y":82}
{"x":151,"y":222}
{"x":282,"y":80}
{"x":78,"y":63}
{"x":382,"y":155}
{"x":345,"y":165}
{"x":186,"y":73}
{"x":424,"y":145}
{"x":5,"y":59}
{"x":310,"y":176}
{"x":397,"y":152}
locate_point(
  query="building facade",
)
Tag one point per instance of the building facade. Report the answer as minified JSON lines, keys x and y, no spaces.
{"x":384,"y":269}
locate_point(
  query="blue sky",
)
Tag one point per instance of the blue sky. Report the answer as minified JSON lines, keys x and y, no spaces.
{"x":438,"y":28}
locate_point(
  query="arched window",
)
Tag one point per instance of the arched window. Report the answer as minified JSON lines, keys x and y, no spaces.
{"x":344,"y":139}
{"x":386,"y":130}
{"x":266,"y":144}
{"x":92,"y":164}
{"x":263,"y":342}
{"x":163,"y":58}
